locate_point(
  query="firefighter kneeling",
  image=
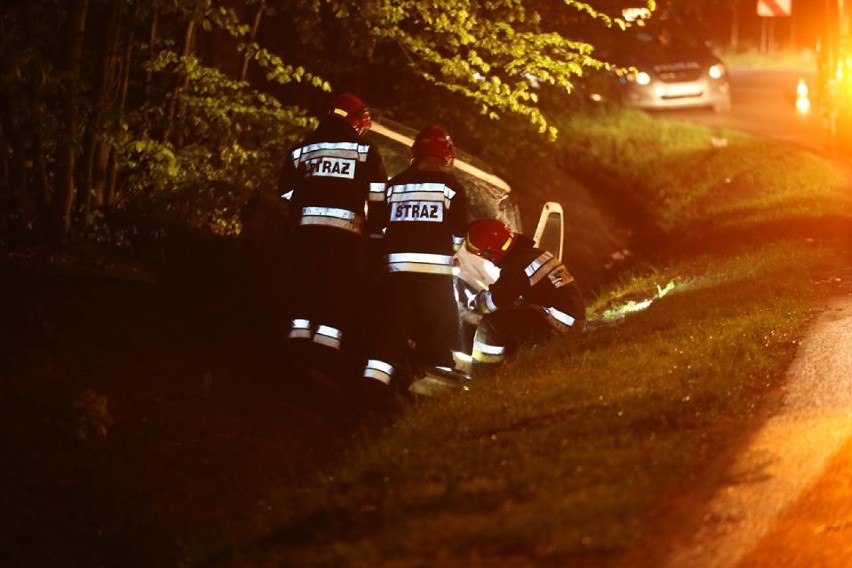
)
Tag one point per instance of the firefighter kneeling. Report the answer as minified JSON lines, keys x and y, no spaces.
{"x":534,"y":298}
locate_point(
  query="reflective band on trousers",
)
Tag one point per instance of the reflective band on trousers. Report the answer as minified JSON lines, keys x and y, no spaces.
{"x":561,"y":317}
{"x":331,"y":217}
{"x":328,"y":336}
{"x":378,"y":370}
{"x":423,"y":263}
{"x":484,"y":353}
{"x":300,"y":329}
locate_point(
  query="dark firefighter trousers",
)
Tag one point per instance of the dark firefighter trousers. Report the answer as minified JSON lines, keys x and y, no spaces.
{"x":502,"y":333}
{"x":418,"y":324}
{"x":327,"y":293}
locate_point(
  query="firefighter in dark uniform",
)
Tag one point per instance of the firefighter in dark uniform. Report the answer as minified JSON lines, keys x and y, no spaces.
{"x":534,"y":298}
{"x":426,"y":213}
{"x":329,"y":180}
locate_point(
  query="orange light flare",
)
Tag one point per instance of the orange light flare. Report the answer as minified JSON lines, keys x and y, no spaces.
{"x":803,"y":101}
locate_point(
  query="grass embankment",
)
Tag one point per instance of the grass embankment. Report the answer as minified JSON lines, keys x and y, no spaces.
{"x":566,"y":456}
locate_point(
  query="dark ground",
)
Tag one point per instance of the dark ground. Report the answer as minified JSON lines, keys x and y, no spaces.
{"x":141,"y":416}
{"x":146,"y":408}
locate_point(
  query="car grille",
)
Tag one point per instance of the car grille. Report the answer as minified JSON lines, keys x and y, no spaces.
{"x":678,"y":72}
{"x":679,"y":76}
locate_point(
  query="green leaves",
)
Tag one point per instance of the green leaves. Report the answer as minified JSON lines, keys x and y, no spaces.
{"x":183,"y":109}
{"x":231,"y":142}
{"x":496,"y":53}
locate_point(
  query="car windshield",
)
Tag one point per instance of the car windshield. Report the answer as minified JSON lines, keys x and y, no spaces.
{"x":663,"y":36}
{"x":658,"y":42}
{"x":666,"y":39}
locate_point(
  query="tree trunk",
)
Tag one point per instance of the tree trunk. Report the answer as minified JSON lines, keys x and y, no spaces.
{"x":17,"y":148}
{"x":182,"y":85}
{"x":255,"y":26}
{"x":96,"y":152}
{"x":735,"y":27}
{"x":41,"y":185}
{"x":127,"y":61}
{"x":41,"y":191}
{"x":66,"y":151}
{"x":5,"y":153}
{"x":12,"y":144}
{"x":153,"y":40}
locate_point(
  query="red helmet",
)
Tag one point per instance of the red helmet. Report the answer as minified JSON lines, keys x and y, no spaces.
{"x":434,"y":142}
{"x":489,"y":238}
{"x":352,"y":110}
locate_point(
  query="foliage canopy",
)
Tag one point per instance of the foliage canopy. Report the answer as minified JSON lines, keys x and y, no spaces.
{"x":182,"y":108}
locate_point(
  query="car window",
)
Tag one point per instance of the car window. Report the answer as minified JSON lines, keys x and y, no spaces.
{"x":660,"y":40}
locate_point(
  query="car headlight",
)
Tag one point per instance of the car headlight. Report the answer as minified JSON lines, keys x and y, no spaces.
{"x":642,"y":78}
{"x":716,"y":71}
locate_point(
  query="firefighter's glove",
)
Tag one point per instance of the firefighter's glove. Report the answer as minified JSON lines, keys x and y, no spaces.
{"x":471,"y":302}
{"x":481,"y":303}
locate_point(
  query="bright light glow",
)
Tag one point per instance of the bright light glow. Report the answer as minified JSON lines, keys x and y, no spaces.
{"x":633,"y":14}
{"x":803,"y":101}
{"x":532,"y":80}
{"x":643,"y":78}
{"x":619,"y":312}
{"x":716,"y":71}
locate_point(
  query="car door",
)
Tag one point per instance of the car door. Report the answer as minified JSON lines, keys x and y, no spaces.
{"x":550,"y":231}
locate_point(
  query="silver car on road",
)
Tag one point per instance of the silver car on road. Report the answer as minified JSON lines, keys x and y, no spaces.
{"x":667,"y":68}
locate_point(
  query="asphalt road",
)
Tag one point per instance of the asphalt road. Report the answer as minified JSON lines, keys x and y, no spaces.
{"x":764,"y":103}
{"x":774,"y":507}
{"x":787,"y":500}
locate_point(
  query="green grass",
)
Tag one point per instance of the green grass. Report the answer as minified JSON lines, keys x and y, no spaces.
{"x":563,"y":457}
{"x":678,"y":177}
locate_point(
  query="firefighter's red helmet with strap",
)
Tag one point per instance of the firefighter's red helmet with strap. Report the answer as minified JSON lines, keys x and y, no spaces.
{"x":489,"y":238}
{"x":434,"y":142}
{"x":353,"y":110}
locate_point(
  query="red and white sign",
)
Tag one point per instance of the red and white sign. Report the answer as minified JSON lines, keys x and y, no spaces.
{"x":773,"y":8}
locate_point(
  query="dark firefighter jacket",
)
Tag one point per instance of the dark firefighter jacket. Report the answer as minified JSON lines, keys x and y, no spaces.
{"x":331,"y":176}
{"x":426,"y":218}
{"x":533,"y":276}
